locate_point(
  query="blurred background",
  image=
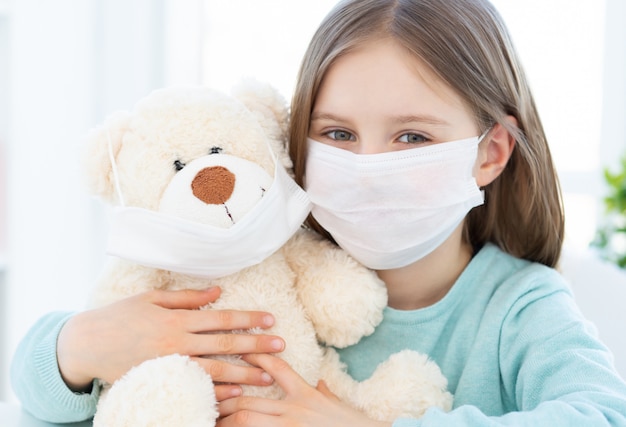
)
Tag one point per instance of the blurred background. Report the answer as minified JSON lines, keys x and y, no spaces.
{"x":66,"y":65}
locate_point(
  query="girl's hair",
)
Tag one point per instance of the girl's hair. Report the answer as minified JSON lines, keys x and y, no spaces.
{"x":467,"y":45}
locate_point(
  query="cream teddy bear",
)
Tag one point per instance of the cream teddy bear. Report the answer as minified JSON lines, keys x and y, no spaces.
{"x":190,"y":170}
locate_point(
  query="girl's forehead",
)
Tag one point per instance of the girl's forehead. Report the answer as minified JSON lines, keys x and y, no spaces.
{"x":384,"y":74}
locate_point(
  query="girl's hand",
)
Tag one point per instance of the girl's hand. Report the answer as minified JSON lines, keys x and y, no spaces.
{"x":107,"y":342}
{"x":303,"y":405}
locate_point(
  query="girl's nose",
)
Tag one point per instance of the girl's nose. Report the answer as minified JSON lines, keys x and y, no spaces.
{"x":371,"y":146}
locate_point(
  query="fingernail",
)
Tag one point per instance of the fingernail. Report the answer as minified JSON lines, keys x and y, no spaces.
{"x":266,"y":378}
{"x":268,"y":320}
{"x":235,"y":392}
{"x":277,"y":344}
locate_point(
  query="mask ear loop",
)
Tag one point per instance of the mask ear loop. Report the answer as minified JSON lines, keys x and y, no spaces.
{"x":480,"y":139}
{"x":116,"y":177}
{"x":272,"y":155}
{"x":484,"y":134}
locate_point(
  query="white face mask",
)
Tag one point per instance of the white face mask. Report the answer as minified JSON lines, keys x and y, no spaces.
{"x":166,"y":241}
{"x":391,"y":209}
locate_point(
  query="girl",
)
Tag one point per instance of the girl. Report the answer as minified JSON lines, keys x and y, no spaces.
{"x":415,"y":133}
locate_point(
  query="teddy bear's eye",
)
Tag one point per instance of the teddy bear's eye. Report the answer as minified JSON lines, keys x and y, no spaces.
{"x":216,"y":150}
{"x":178,"y":165}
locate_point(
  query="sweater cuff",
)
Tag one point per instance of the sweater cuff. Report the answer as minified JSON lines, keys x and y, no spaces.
{"x":45,"y":363}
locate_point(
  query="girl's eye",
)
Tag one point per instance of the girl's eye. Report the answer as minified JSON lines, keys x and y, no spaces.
{"x":413,"y":138}
{"x":340,"y":135}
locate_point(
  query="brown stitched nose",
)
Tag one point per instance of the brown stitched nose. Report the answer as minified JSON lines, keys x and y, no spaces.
{"x":213,"y":185}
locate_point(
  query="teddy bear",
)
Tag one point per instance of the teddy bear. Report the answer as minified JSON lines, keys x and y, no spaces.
{"x":201,"y":194}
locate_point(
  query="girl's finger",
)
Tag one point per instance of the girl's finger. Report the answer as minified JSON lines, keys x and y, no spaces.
{"x":251,"y":419}
{"x":182,"y":299}
{"x":280,"y":371}
{"x":211,"y":344}
{"x":323,"y":388}
{"x":224,"y":372}
{"x":225,"y":320}
{"x":227,"y":391}
{"x":251,"y":405}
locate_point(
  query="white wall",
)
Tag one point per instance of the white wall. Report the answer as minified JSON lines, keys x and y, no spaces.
{"x":614,"y":85}
{"x":600,"y":291}
{"x":52,"y":85}
{"x":71,"y":62}
{"x":4,"y":119}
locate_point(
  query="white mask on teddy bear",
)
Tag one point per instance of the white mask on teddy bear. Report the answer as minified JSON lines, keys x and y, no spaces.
{"x":166,"y":241}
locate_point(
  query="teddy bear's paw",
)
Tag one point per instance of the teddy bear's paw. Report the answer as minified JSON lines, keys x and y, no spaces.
{"x":351,"y":306}
{"x":405,"y":385}
{"x":170,"y":391}
{"x":343,"y":299}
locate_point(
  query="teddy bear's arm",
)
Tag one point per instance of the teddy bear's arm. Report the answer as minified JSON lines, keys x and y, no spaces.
{"x":343,"y":299}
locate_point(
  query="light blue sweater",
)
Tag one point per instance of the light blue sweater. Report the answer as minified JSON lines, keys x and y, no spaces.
{"x":513,"y":345}
{"x":508,"y":336}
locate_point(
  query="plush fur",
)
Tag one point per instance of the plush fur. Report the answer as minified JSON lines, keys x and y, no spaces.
{"x":317,"y":293}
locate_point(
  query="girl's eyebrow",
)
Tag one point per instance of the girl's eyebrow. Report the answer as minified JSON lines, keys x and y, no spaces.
{"x":426,"y":119}
{"x":326,"y":116}
{"x":410,"y":118}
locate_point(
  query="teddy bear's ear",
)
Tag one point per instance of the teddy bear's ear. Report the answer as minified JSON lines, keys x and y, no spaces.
{"x":271,"y":110}
{"x":100,"y":142}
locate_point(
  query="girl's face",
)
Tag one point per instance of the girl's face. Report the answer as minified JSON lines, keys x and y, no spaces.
{"x":380,"y":98}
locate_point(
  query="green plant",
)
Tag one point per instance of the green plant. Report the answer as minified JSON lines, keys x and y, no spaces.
{"x":610,"y":239}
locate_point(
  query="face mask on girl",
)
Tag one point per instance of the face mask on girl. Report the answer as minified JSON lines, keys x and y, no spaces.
{"x":391,"y":209}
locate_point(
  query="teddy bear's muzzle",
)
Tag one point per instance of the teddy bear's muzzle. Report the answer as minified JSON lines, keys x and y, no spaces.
{"x":213,"y":185}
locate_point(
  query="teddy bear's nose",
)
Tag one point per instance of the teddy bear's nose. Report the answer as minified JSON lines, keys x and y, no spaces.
{"x":213,"y":185}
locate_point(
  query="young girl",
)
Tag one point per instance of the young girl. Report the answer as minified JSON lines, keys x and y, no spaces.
{"x":416,"y":135}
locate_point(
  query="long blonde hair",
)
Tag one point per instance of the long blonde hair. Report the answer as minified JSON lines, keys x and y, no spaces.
{"x":467,"y":45}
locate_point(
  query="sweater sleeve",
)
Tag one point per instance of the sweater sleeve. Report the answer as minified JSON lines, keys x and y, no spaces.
{"x":36,"y":379}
